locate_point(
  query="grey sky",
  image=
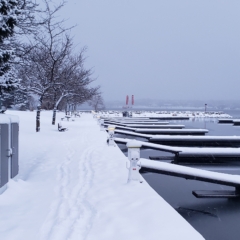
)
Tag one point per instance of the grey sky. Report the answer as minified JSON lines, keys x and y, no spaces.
{"x":171,"y":49}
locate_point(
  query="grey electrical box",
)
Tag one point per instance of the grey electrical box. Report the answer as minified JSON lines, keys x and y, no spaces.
{"x":15,"y":146}
{"x":9,"y":147}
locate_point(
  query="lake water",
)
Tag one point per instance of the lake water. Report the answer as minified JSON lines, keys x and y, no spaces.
{"x":215,"y":219}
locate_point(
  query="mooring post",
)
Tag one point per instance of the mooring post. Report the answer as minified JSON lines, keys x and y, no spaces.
{"x":110,"y":140}
{"x":134,"y":157}
{"x":102,"y":125}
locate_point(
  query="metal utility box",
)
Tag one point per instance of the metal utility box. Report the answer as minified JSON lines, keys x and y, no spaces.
{"x":9,"y":147}
{"x":15,"y":147}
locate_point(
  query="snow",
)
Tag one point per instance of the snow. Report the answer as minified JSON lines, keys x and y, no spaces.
{"x":4,"y":119}
{"x":71,"y":185}
{"x":7,"y":119}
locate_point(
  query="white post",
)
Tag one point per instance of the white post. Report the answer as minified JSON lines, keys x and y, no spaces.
{"x":134,"y":157}
{"x":102,"y":125}
{"x":110,"y":140}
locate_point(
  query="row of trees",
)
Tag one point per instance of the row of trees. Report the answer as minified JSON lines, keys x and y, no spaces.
{"x":46,"y":67}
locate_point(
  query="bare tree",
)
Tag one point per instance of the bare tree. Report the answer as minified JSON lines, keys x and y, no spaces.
{"x":97,"y":102}
{"x":47,"y":52}
{"x":52,"y":71}
{"x":73,"y":83}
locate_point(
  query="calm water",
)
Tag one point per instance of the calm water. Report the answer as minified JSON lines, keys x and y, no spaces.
{"x":215,"y":219}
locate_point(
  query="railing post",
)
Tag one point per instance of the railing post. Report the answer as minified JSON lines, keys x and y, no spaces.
{"x":110,"y":140}
{"x":134,"y":157}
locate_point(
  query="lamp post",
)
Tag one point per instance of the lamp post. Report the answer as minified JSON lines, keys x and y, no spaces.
{"x":205,"y":107}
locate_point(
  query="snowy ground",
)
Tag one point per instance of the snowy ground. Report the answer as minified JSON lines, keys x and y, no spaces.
{"x":72,"y":186}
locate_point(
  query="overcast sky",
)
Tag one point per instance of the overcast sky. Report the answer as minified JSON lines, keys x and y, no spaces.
{"x":160,"y":49}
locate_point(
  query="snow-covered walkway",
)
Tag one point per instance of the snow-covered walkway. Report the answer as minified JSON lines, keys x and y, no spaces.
{"x":72,"y":186}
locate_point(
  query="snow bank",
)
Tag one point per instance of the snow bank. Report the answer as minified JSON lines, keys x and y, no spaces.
{"x":7,"y":119}
{"x":73,"y":186}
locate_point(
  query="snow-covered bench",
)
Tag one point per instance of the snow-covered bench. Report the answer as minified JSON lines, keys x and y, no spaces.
{"x":61,"y":128}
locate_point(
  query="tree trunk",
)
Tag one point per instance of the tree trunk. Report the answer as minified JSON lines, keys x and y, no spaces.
{"x":0,"y":101}
{"x":55,"y":108}
{"x":54,"y":115}
{"x":38,"y":115}
{"x":66,"y":109}
{"x":38,"y":118}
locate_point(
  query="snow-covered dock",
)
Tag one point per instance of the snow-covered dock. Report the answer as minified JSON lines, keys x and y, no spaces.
{"x":166,"y":126}
{"x":186,"y":141}
{"x":135,"y":122}
{"x":153,"y":127}
{"x":173,"y":131}
{"x":236,"y":122}
{"x":189,"y":154}
{"x":73,"y":186}
{"x":120,"y":127}
{"x":164,"y":148}
{"x":130,"y":133}
{"x":225,"y":120}
{"x":170,"y":118}
{"x":201,"y":141}
{"x":161,"y":129}
{"x":195,"y":174}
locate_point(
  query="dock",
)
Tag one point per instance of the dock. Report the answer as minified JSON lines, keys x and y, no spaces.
{"x":195,"y":174}
{"x":120,"y":127}
{"x":155,"y":129}
{"x":136,"y":123}
{"x":130,"y":133}
{"x":164,"y":148}
{"x":236,"y":122}
{"x":200,"y":141}
{"x":225,"y":120}
{"x":173,"y":131}
{"x":186,"y":141}
{"x":192,"y":154}
{"x":170,"y":118}
{"x":162,"y":130}
{"x":166,"y":126}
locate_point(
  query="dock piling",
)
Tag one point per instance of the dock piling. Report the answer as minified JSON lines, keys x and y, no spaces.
{"x":110,"y":139}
